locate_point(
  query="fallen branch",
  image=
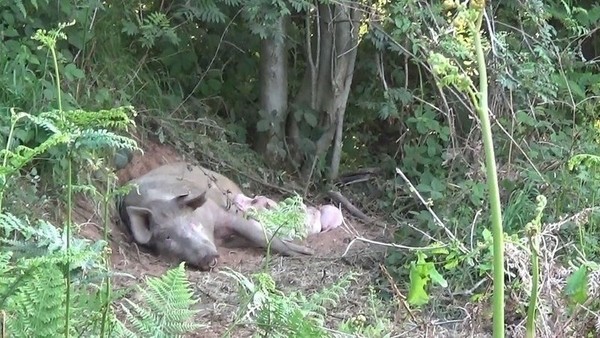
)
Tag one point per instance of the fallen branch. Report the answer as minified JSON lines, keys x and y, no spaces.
{"x":338,"y":197}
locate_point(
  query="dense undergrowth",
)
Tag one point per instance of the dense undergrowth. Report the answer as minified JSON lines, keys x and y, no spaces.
{"x":191,"y":76}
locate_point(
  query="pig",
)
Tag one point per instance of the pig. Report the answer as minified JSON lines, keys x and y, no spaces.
{"x":323,"y":218}
{"x":319,"y":219}
{"x":244,"y":202}
{"x":180,"y":211}
{"x":331,"y":217}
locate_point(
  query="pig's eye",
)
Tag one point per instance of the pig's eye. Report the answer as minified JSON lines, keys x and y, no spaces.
{"x":168,"y":237}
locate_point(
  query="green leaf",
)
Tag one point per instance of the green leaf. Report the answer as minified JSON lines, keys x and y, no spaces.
{"x":24,"y":135}
{"x":130,"y":28}
{"x":525,"y":118}
{"x":10,"y":32}
{"x":487,"y":235}
{"x":9,"y":19}
{"x":311,"y":119}
{"x":416,"y":293}
{"x":451,"y":264}
{"x":440,"y":251}
{"x":436,"y":277}
{"x":576,"y":286}
{"x":576,"y":89}
{"x":263,"y":125}
{"x":72,"y":72}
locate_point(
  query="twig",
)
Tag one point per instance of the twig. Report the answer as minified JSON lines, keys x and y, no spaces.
{"x":470,"y":291}
{"x":392,"y":245}
{"x":401,"y":298}
{"x":433,"y":214}
{"x":337,"y":196}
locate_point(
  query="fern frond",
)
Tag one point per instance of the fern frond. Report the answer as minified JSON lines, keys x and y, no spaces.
{"x":120,"y":330}
{"x":115,"y":118}
{"x":46,"y":120}
{"x":6,"y":278}
{"x":4,"y":259}
{"x":203,"y":10}
{"x":23,"y":155}
{"x":330,"y":296}
{"x":45,"y":239}
{"x":94,"y":139}
{"x":277,"y":314}
{"x":36,"y":310}
{"x":169,"y":299}
{"x":287,"y":219}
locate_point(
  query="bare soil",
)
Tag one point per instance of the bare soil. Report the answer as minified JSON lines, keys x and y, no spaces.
{"x":217,"y":293}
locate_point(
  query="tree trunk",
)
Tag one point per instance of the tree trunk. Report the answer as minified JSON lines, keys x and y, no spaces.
{"x":331,"y":54}
{"x":273,"y":95}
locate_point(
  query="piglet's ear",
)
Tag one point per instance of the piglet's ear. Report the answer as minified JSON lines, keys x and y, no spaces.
{"x":139,"y":223}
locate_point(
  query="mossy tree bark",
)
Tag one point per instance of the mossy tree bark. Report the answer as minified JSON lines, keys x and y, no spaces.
{"x":273,"y":94}
{"x":332,"y":36}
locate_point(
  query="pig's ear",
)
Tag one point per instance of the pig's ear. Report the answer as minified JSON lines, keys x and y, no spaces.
{"x":179,"y":200}
{"x":187,"y":201}
{"x":196,"y":201}
{"x":139,"y":223}
{"x":193,"y":202}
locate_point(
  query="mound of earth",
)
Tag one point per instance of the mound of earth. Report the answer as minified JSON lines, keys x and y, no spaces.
{"x":336,"y":254}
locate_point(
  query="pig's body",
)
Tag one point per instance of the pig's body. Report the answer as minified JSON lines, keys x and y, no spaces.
{"x":180,"y":210}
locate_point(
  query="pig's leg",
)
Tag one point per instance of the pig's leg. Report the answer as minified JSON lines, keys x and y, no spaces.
{"x":251,"y":230}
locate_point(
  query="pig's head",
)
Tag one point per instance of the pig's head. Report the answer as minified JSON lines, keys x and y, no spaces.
{"x":313,"y":220}
{"x":244,"y":202}
{"x":173,"y":229}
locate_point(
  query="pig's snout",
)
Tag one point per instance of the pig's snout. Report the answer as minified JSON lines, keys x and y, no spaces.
{"x":208,"y":262}
{"x":209,"y":257}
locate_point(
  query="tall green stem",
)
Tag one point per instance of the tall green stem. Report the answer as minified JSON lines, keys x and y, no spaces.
{"x":534,"y":228}
{"x":492,"y":179}
{"x":68,"y":225}
{"x":107,"y":285}
{"x":57,"y":74}
{"x":52,"y":47}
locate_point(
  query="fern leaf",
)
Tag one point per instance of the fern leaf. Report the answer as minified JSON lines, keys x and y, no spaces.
{"x":37,"y":309}
{"x":169,"y":300}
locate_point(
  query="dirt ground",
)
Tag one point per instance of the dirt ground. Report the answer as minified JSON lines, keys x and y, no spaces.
{"x":218,"y":293}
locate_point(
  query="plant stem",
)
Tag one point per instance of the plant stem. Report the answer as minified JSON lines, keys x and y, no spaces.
{"x":69,"y":221}
{"x":107,"y":285}
{"x":52,"y":48}
{"x":492,"y":179}
{"x":57,"y":74}
{"x":535,"y":276}
{"x":534,"y":229}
